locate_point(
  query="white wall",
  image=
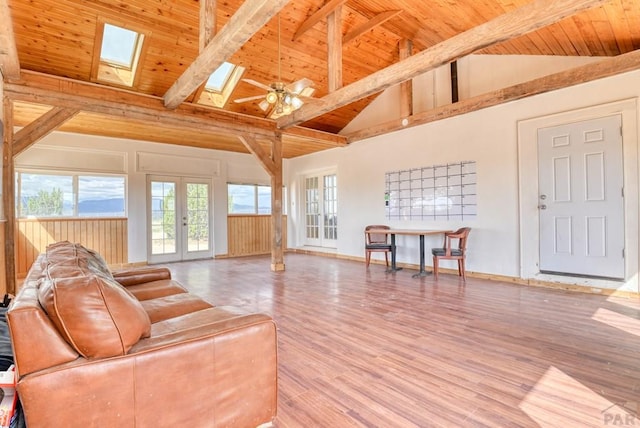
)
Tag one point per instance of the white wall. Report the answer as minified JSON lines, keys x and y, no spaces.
{"x":73,"y":152}
{"x":489,"y":137}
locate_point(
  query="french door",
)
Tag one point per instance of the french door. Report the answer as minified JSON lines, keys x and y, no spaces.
{"x":179,"y":213}
{"x":321,"y":210}
{"x":581,"y":204}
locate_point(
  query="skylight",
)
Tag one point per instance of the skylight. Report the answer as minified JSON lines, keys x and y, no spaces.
{"x":219,"y":78}
{"x":221,"y":83}
{"x":119,"y":46}
{"x":116,"y":54}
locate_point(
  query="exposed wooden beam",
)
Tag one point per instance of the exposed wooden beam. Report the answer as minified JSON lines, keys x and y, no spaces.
{"x":583,"y":74}
{"x":277,"y":246}
{"x":272,"y":163}
{"x":334,"y":49}
{"x":40,"y":128}
{"x":405,"y":50}
{"x":72,"y":94}
{"x":379,"y":19}
{"x":320,"y":14}
{"x":208,"y":28}
{"x":8,"y":197}
{"x":254,"y":147}
{"x":9,"y":62}
{"x":250,"y":17}
{"x":523,"y":20}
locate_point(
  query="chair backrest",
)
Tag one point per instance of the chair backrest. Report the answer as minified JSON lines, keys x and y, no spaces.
{"x":376,"y":238}
{"x":461,"y":234}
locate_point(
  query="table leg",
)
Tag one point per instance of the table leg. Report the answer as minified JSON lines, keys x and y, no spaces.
{"x":422,"y":271}
{"x":393,"y":267}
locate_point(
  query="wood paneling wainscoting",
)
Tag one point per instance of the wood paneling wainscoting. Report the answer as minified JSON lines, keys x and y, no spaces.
{"x":250,"y":234}
{"x":107,"y":236}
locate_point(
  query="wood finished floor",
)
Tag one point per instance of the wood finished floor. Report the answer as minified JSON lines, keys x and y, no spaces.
{"x":363,"y":348}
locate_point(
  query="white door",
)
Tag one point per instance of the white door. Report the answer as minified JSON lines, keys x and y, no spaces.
{"x":321,"y":210}
{"x":179,"y":219}
{"x":581,"y":198}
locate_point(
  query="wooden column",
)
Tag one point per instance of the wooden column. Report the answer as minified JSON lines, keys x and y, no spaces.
{"x":207,"y":22}
{"x":277,"y":246}
{"x":405,"y":49}
{"x":3,"y":277}
{"x":272,"y":163}
{"x":334,"y":49}
{"x":8,"y":197}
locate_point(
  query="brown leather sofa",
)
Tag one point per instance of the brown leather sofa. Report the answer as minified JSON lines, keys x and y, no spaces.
{"x":134,"y":349}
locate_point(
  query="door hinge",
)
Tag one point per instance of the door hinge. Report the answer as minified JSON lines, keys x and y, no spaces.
{"x":623,"y":253}
{"x":622,"y":191}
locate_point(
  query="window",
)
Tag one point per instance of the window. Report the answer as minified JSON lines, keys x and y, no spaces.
{"x":119,"y":54}
{"x":119,"y":46}
{"x":220,"y":84}
{"x":65,"y":195}
{"x":250,"y":199}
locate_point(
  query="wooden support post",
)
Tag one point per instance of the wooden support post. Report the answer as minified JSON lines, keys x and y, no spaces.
{"x":277,"y":246}
{"x":208,"y":28}
{"x":405,"y":49}
{"x":273,"y":165}
{"x":334,"y":49}
{"x":8,"y":197}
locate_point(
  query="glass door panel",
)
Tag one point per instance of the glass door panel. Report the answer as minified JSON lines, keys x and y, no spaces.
{"x":179,"y":219}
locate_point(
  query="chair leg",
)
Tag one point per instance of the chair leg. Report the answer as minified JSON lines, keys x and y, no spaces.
{"x":367,"y":256}
{"x":435,"y":267}
{"x":386,"y":258}
{"x":462,"y":269}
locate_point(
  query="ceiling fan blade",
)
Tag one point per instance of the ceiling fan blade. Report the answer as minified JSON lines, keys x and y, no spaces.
{"x":244,"y":100}
{"x":264,"y":105}
{"x":308,"y":99}
{"x":299,"y":85}
{"x":258,"y":84}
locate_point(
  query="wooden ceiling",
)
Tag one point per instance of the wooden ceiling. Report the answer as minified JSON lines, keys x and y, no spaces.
{"x":56,"y":47}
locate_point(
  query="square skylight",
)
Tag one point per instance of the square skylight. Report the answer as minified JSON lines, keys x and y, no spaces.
{"x":219,"y":78}
{"x":118,"y":45}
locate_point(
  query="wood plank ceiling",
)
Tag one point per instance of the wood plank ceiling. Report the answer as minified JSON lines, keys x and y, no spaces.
{"x":56,"y":47}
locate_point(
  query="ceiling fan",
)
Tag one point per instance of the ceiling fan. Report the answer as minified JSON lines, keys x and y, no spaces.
{"x":281,"y":99}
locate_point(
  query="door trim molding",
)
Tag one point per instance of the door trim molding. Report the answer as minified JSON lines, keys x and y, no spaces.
{"x":528,"y":190}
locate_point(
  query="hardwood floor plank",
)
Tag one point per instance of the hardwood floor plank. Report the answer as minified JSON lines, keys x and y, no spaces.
{"x":362,"y":348}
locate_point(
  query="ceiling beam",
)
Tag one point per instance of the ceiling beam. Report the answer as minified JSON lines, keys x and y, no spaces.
{"x":320,"y":14}
{"x":72,"y":94}
{"x":334,"y":49}
{"x":379,"y":19}
{"x":208,"y":22}
{"x":575,"y":76}
{"x":9,"y":63}
{"x":260,"y":153}
{"x":250,"y":17}
{"x":528,"y":18}
{"x":40,"y":128}
{"x":405,"y":50}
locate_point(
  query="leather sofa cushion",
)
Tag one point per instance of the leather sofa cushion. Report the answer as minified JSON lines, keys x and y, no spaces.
{"x":97,"y":316}
{"x":68,"y":254}
{"x":155,"y":289}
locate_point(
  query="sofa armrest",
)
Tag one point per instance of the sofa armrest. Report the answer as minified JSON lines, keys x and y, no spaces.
{"x":219,"y":374}
{"x":141,"y":275}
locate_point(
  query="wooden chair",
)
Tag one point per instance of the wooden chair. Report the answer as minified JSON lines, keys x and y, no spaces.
{"x":376,"y":242}
{"x":450,"y":253}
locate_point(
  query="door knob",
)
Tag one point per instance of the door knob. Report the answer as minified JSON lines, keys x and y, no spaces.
{"x":542,"y":207}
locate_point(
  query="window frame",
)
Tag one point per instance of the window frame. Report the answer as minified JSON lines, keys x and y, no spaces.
{"x":75,"y":178}
{"x":256,"y":206}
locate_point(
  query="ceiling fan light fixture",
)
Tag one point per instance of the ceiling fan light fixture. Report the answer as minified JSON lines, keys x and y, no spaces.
{"x":271,"y":97}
